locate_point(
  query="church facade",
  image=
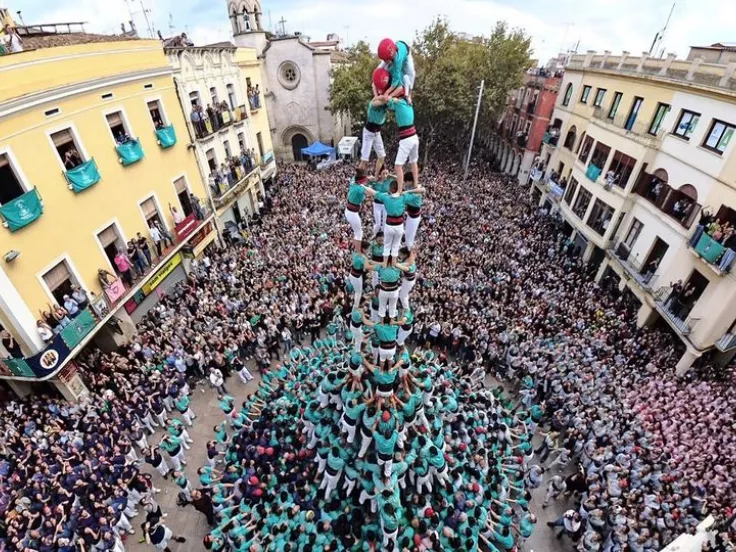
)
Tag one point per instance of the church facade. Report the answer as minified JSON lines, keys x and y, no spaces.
{"x":296,"y":80}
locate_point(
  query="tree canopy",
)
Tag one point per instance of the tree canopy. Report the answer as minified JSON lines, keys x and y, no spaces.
{"x":449,"y":71}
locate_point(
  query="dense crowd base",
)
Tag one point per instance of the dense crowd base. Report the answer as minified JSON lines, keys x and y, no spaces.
{"x":496,"y":290}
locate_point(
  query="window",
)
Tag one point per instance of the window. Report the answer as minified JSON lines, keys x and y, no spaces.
{"x":259,"y":139}
{"x":231,"y":96}
{"x":662,"y":110}
{"x":614,"y":104}
{"x":581,"y":203}
{"x":585,"y":150}
{"x":247,"y":82}
{"x":633,"y":112}
{"x":10,"y":184}
{"x":600,"y":217}
{"x":213,"y":95}
{"x":599,"y":95}
{"x":600,"y":155}
{"x":182,"y":192}
{"x":211,"y":160}
{"x":59,"y":280}
{"x":568,"y":95}
{"x":570,"y":192}
{"x":633,"y":234}
{"x":151,"y":213}
{"x":195,"y":99}
{"x":157,"y":113}
{"x":67,"y":149}
{"x":241,"y":141}
{"x":622,"y":166}
{"x":719,"y":136}
{"x":585,"y":94}
{"x":111,"y":242}
{"x":228,"y":151}
{"x":686,"y":124}
{"x":118,"y":127}
{"x":289,"y":75}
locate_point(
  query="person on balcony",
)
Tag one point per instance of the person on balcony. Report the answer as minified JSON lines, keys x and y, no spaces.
{"x":72,"y":159}
{"x":44,"y":331}
{"x":61,"y":316}
{"x":197,"y":121}
{"x":11,"y":345}
{"x":176,"y":214}
{"x":122,"y":262}
{"x":257,"y":96}
{"x":166,"y":237}
{"x":122,"y":138}
{"x":79,"y":295}
{"x":71,"y":306}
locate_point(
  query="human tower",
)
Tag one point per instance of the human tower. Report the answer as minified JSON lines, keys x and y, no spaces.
{"x":392,"y":449}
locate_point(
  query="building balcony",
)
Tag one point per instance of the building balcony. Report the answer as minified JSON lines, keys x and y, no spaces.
{"x":593,"y":172}
{"x":622,"y":124}
{"x":536,"y":174}
{"x":22,"y":211}
{"x":530,"y":108}
{"x":129,"y":152}
{"x":677,"y":317}
{"x":241,"y":113}
{"x":726,"y":343}
{"x":229,"y":192}
{"x":716,"y":255}
{"x":82,"y":176}
{"x":255,"y":102}
{"x":166,"y":136}
{"x":203,"y":130}
{"x":551,"y":139}
{"x":634,"y":267}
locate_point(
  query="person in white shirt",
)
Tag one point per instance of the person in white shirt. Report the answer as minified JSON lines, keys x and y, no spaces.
{"x":71,"y":305}
{"x":217,"y":381}
{"x":45,"y":331}
{"x":156,"y":237}
{"x":176,"y":214}
{"x":12,"y":40}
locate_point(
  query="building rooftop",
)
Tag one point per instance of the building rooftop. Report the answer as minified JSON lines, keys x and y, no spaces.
{"x":716,"y":77}
{"x":69,"y":39}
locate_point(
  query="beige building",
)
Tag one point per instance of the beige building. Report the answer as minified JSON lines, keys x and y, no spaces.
{"x":642,"y":155}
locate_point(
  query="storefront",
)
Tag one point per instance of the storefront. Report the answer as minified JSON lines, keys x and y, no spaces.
{"x":199,"y":242}
{"x":166,"y":277}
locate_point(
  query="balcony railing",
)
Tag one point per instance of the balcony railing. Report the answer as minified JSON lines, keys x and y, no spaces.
{"x":726,"y":342}
{"x":636,"y":269}
{"x":551,"y":139}
{"x":669,"y":309}
{"x":624,"y":125}
{"x":208,"y":127}
{"x":536,"y":174}
{"x":593,"y":172}
{"x":717,"y":255}
{"x":229,"y":191}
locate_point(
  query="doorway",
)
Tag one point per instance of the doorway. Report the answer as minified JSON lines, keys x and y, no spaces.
{"x":298,"y":142}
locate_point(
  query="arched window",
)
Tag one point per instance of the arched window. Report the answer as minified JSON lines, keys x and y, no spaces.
{"x":582,"y":139}
{"x":568,"y":94}
{"x":570,"y":137}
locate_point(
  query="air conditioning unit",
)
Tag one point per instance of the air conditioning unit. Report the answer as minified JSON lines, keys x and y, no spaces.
{"x":623,"y":251}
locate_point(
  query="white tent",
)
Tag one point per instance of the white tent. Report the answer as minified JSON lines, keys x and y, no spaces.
{"x":348,"y":147}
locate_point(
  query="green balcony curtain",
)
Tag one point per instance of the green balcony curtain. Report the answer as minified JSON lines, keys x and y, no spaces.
{"x":166,"y":136}
{"x":593,"y":172}
{"x":80,"y":326}
{"x":22,"y":210}
{"x":709,"y":249}
{"x":19,"y":367}
{"x":130,"y":152}
{"x":84,"y":176}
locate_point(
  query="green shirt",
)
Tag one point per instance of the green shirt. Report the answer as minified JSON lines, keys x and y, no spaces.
{"x":403,"y":111}
{"x":356,"y":193}
{"x":397,"y":64}
{"x":389,"y":274}
{"x":376,"y":114}
{"x":386,"y":332}
{"x":359,"y":261}
{"x":395,"y":206}
{"x":414,"y":200}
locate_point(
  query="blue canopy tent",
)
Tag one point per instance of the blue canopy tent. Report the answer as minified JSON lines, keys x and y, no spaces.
{"x":318,"y":149}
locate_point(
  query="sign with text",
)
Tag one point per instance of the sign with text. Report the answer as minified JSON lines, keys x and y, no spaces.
{"x":186,"y":227}
{"x":161,"y":274}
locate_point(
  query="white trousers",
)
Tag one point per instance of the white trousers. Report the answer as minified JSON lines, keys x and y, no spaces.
{"x":388,"y":299}
{"x":349,"y":429}
{"x":403,"y":336}
{"x":245,"y":375}
{"x":188,"y":415}
{"x":386,"y":354}
{"x":332,"y":481}
{"x":379,"y":217}
{"x":364,"y":444}
{"x":411,"y":225}
{"x":404,"y":290}
{"x":371,"y":141}
{"x":178,"y":460}
{"x":163,"y":468}
{"x":357,"y":284}
{"x":357,"y":340}
{"x":392,"y":234}
{"x":355,"y":223}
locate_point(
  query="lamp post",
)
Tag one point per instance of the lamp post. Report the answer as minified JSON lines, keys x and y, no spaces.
{"x":472,"y":134}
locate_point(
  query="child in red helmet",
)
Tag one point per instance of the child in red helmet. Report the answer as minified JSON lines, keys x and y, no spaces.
{"x":397,"y":59}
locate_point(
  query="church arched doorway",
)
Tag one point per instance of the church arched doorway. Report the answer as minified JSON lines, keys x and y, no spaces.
{"x":298,"y":141}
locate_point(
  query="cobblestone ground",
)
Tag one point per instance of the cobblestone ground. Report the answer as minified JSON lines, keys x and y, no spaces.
{"x":189,"y":523}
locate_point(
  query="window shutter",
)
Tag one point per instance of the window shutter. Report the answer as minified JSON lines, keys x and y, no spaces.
{"x":153,"y":104}
{"x":114,"y":119}
{"x":149,"y":208}
{"x":57,"y":276}
{"x":180,"y":185}
{"x":108,"y":236}
{"x":62,"y":137}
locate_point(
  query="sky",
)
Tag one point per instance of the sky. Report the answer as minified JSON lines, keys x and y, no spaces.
{"x":554,"y":26}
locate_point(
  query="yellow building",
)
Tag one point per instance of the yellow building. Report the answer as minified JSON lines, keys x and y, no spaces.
{"x":228,"y":126}
{"x":638,"y":161}
{"x":93,"y":151}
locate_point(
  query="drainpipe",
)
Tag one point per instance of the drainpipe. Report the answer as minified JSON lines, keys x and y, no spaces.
{"x":192,"y":141}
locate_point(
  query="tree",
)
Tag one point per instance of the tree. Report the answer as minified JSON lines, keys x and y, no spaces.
{"x":350,"y":91}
